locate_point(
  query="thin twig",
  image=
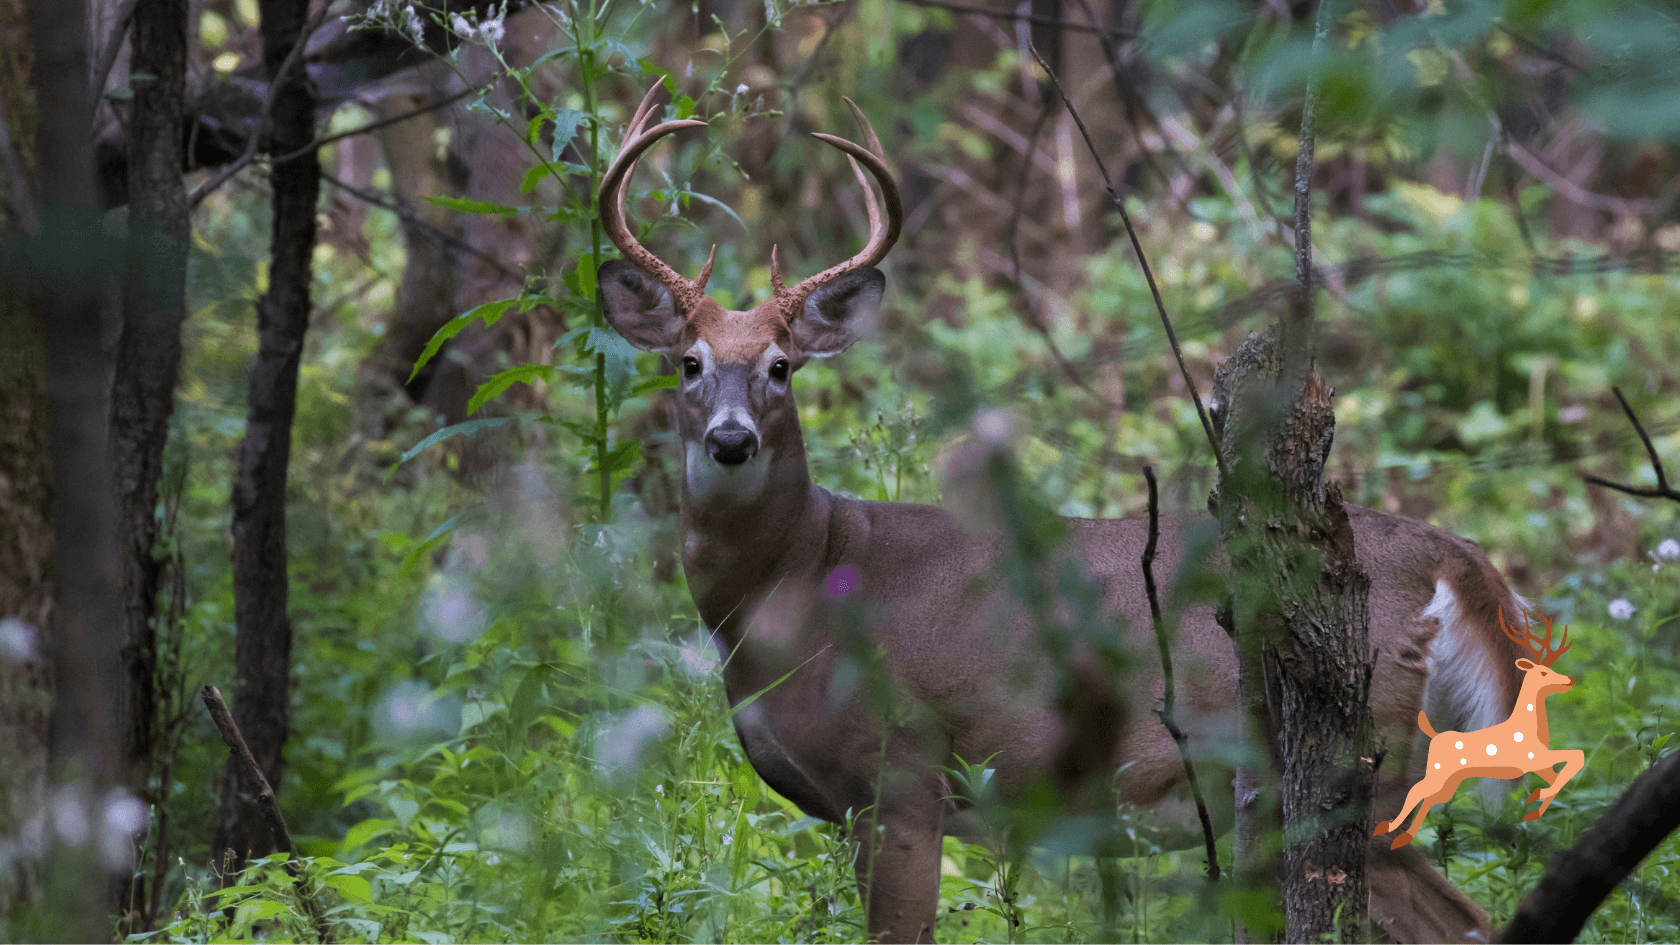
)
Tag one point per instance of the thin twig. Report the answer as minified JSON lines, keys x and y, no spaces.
{"x":376,"y":125}
{"x":1166,"y":713}
{"x":1013,"y":232}
{"x":1663,"y":489}
{"x":409,"y":216}
{"x":254,"y":143}
{"x":1297,"y":337}
{"x":1038,"y":19}
{"x":266,"y":803}
{"x":1143,"y":261}
{"x":1135,"y":107}
{"x":23,"y":202}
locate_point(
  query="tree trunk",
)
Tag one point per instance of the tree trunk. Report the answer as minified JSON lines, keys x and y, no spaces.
{"x":1301,"y":603}
{"x":25,"y":601}
{"x":263,"y":644}
{"x":149,"y":346}
{"x":68,"y":265}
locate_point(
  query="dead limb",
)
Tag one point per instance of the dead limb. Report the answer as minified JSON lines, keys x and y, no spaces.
{"x":1143,"y":261}
{"x":1663,"y":489}
{"x":1165,"y":713}
{"x":266,"y":803}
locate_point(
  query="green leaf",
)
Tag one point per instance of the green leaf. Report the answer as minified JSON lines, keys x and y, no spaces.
{"x":456,"y":429}
{"x":523,"y":374}
{"x":438,"y":534}
{"x":533,"y":176}
{"x":365,"y":831}
{"x":351,"y":887}
{"x":489,"y":313}
{"x":713,"y":201}
{"x":661,"y":382}
{"x":468,"y":205}
{"x":566,"y":123}
{"x":405,"y":809}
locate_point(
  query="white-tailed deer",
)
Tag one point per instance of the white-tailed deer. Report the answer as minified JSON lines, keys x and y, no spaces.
{"x":1517,"y":746}
{"x":821,"y":602}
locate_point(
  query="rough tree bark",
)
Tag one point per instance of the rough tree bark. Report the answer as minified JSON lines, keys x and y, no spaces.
{"x":263,"y":641}
{"x":25,"y":534}
{"x":149,"y":345}
{"x":1301,"y":605}
{"x":68,"y":262}
{"x":25,"y":601}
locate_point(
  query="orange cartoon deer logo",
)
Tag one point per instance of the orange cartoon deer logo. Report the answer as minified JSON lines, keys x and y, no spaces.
{"x":1510,"y":749}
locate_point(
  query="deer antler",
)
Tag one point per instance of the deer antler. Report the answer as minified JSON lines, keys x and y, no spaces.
{"x":882,"y":234}
{"x":687,"y":293}
{"x":1541,"y":647}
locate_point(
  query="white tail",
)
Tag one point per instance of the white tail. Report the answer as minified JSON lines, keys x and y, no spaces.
{"x":835,"y":609}
{"x":1517,"y":746}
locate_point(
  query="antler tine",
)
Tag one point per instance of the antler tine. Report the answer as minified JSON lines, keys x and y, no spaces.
{"x":1540,"y":648}
{"x":640,"y":117}
{"x":612,"y":198}
{"x":870,"y":203}
{"x":882,"y":235}
{"x":869,"y":138}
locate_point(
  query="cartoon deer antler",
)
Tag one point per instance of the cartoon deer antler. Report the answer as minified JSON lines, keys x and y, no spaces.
{"x":1540,"y":647}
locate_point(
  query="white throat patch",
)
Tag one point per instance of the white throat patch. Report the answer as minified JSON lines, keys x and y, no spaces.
{"x":707,"y":478}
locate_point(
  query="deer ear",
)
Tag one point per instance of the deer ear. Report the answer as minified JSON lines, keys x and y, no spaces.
{"x":836,"y":311}
{"x":1525,"y":665}
{"x":638,"y":307}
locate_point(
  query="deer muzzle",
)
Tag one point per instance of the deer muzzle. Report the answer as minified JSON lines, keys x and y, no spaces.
{"x":731,"y":443}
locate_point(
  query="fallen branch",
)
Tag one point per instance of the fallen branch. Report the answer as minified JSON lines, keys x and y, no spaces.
{"x":266,"y":803}
{"x":1165,"y":713}
{"x":1143,"y":261}
{"x":1663,"y":489}
{"x":1579,"y":878}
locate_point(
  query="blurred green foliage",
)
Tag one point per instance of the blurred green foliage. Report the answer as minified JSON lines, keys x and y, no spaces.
{"x":507,"y":720}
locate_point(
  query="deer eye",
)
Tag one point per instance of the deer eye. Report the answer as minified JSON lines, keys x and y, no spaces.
{"x":691,"y":367}
{"x":779,"y":370}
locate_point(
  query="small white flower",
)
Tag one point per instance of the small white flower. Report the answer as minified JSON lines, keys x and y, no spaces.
{"x":728,"y":839}
{"x":461,"y":27}
{"x":1668,"y":548}
{"x":1621,"y":608}
{"x":741,"y":89}
{"x":415,"y":27}
{"x":659,"y":789}
{"x":492,"y":29}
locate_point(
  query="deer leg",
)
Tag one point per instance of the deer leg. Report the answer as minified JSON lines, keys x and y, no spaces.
{"x":1418,"y":792}
{"x":898,"y":867}
{"x":1439,"y":797}
{"x":1573,"y":761}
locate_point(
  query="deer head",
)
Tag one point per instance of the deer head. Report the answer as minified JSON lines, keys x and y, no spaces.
{"x":735,"y":403}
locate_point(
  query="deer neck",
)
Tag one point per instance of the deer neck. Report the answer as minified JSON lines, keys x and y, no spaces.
{"x":749,"y":528}
{"x":1534,"y":721}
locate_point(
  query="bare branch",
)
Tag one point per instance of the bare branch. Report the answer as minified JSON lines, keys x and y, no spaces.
{"x":1663,"y":489}
{"x":1165,"y":713}
{"x":1137,"y":247}
{"x":266,"y":802}
{"x":1579,"y":878}
{"x":254,"y":143}
{"x":376,"y":125}
{"x":409,"y":216}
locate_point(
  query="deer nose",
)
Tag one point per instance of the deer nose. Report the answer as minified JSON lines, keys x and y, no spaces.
{"x":731,"y":443}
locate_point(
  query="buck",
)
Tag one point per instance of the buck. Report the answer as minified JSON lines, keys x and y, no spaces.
{"x":1517,"y":746}
{"x":881,"y":642}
